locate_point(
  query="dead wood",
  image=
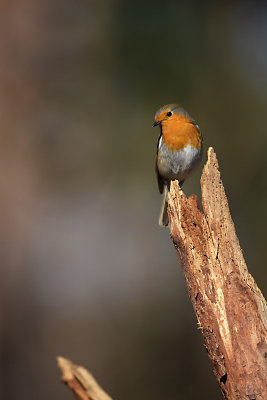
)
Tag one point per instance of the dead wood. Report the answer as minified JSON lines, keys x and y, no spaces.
{"x":80,"y":381}
{"x":230,"y":308}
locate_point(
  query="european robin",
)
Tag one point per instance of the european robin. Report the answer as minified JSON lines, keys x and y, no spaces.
{"x":179,"y":150}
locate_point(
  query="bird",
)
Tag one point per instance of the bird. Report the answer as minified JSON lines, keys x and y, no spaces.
{"x":179,"y":150}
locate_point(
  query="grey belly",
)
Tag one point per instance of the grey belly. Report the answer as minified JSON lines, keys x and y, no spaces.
{"x":177,"y":164}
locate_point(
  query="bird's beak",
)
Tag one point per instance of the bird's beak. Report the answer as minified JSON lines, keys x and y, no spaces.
{"x":156,"y":123}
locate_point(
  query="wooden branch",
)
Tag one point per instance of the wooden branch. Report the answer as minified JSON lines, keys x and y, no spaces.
{"x":80,"y":381}
{"x":230,"y":308}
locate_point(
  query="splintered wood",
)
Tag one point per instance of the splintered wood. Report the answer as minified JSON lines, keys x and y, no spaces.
{"x":230,"y":308}
{"x":80,"y":381}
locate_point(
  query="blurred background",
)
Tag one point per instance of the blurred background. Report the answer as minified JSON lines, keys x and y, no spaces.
{"x":86,"y":272}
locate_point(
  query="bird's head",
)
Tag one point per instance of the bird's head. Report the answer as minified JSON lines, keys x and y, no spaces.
{"x":169,"y":114}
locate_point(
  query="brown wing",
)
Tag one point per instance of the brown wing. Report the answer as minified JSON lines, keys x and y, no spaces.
{"x":193,"y":122}
{"x":159,"y":178}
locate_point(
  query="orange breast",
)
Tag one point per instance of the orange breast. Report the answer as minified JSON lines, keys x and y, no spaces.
{"x":178,"y":132}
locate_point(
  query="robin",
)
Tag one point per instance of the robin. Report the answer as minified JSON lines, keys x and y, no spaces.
{"x":179,"y":150}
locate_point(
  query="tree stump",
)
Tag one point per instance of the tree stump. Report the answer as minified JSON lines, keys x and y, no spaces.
{"x":230,"y":308}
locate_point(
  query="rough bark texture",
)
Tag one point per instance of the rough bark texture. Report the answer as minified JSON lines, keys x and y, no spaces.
{"x":80,"y":381}
{"x":230,"y":308}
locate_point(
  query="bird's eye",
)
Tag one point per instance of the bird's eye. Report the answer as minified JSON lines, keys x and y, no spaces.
{"x":169,"y":114}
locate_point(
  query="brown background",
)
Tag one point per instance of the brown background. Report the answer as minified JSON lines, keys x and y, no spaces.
{"x":86,"y":273}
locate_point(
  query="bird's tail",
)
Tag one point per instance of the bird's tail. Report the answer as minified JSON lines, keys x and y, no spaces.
{"x":163,"y":216}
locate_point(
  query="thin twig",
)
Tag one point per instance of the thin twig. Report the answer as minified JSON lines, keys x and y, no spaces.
{"x":80,"y":381}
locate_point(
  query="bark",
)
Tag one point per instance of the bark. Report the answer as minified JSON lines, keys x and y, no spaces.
{"x":80,"y":381}
{"x":230,"y":308}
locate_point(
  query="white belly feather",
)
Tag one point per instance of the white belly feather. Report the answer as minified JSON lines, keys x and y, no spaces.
{"x":177,"y":164}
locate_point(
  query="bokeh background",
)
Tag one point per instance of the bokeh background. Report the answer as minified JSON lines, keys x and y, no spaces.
{"x":86,"y":272}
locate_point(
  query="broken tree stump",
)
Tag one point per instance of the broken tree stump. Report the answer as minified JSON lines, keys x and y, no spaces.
{"x":230,"y":308}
